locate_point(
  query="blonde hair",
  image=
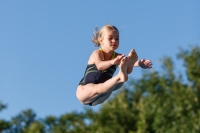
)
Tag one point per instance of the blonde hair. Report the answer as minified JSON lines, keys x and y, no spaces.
{"x":99,"y":33}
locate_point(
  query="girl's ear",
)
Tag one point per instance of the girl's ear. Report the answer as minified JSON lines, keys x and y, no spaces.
{"x":100,"y":40}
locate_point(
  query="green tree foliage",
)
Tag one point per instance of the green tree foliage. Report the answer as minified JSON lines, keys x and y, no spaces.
{"x":3,"y":124}
{"x":24,"y":122}
{"x":2,"y":106}
{"x":159,"y":102}
{"x":71,"y":123}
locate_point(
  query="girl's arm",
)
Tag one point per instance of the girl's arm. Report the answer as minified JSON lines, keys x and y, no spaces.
{"x":102,"y":65}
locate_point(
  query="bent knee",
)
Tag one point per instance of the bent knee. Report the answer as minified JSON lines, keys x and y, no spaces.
{"x":79,"y":94}
{"x":85,"y":93}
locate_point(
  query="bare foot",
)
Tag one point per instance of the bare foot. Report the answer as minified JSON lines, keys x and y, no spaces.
{"x":132,"y":58}
{"x":123,"y":76}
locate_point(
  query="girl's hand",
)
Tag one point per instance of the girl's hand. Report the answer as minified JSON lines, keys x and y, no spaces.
{"x":117,"y":60}
{"x":145,"y":64}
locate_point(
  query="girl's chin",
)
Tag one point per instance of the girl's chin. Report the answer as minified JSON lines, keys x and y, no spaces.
{"x":114,"y":47}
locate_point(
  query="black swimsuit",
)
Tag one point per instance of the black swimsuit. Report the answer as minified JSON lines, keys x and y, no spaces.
{"x":95,"y":76}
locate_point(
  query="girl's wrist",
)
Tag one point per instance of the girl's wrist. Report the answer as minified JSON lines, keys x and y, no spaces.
{"x":136,"y":63}
{"x":111,"y":62}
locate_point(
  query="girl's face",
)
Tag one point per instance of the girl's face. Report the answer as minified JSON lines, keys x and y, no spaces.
{"x":110,"y":40}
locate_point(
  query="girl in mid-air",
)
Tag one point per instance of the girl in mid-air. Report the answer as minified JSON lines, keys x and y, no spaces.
{"x":98,"y":82}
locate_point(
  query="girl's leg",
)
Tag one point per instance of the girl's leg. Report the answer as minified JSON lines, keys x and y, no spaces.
{"x":88,"y":93}
{"x":101,"y":98}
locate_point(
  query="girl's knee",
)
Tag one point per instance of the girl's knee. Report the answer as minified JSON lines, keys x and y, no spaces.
{"x":79,"y":93}
{"x":86,"y":93}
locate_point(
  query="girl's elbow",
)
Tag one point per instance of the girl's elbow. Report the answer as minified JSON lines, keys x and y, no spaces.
{"x":99,"y":68}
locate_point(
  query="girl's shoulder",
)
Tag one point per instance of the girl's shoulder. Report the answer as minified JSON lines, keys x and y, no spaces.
{"x":95,"y":56}
{"x":96,"y":53}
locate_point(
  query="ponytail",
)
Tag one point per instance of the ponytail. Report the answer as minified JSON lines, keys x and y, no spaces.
{"x":95,"y":38}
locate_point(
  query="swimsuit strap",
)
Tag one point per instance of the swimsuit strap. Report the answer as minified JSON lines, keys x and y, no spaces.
{"x":113,"y":56}
{"x":102,"y":53}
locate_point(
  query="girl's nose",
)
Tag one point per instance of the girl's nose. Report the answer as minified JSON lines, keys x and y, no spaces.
{"x":113,"y":40}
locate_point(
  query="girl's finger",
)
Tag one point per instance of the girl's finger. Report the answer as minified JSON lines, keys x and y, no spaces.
{"x":143,"y":60}
{"x":149,"y":64}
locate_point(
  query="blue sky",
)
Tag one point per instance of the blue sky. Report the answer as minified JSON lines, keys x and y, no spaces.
{"x":45,"y":45}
